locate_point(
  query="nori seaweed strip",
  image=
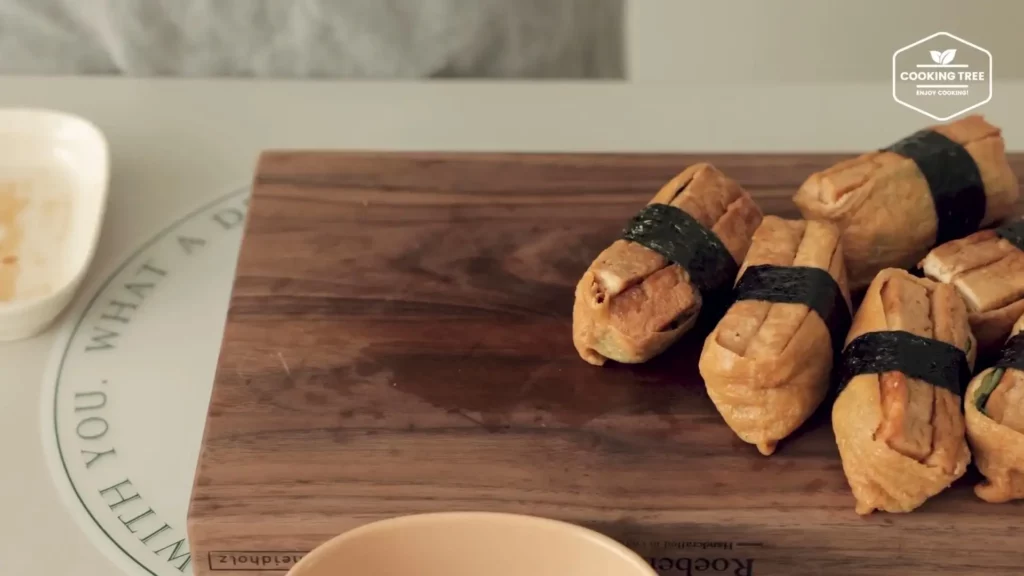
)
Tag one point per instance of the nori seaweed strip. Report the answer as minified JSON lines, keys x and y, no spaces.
{"x":1013,"y":233}
{"x":936,"y":362}
{"x":799,"y":285}
{"x":683,"y":240}
{"x":953,"y":180}
{"x":1012,"y":354}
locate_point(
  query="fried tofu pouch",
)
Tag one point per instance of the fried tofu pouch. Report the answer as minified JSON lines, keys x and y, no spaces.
{"x":632,"y":303}
{"x":994,"y":411}
{"x":988,"y":272}
{"x":902,"y":440}
{"x":766,"y":365}
{"x":883,"y":205}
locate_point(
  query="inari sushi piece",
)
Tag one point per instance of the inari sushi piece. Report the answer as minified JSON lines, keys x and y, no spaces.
{"x":647,"y":288}
{"x":892,"y":205}
{"x":897,"y":420}
{"x":994,"y":411}
{"x":766,"y":365}
{"x":987,"y":269}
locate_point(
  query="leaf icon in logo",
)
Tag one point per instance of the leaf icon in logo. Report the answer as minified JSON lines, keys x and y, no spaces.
{"x":948,"y":56}
{"x":936,"y":56}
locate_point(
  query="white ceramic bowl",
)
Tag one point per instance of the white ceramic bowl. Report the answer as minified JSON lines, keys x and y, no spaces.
{"x":471,"y":544}
{"x":56,"y":167}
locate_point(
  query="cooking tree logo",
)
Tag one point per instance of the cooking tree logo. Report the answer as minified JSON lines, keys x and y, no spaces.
{"x":942,"y":76}
{"x":944,"y":58}
{"x":128,"y":386}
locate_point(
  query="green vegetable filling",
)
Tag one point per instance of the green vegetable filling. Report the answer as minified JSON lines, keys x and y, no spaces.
{"x":988,"y":385}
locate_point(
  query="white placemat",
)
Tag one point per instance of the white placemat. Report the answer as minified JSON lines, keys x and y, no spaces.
{"x":127,"y":386}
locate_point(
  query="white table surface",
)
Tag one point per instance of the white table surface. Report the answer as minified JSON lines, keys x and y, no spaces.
{"x":174,"y":143}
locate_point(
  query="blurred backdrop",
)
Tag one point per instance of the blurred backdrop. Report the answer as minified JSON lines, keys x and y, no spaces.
{"x":683,"y":41}
{"x":314,"y":38}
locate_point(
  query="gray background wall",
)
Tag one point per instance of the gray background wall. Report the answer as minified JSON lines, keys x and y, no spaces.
{"x":681,"y":41}
{"x":808,"y":40}
{"x":314,"y":38}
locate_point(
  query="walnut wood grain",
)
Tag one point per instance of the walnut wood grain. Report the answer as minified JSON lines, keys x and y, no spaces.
{"x":399,"y":341}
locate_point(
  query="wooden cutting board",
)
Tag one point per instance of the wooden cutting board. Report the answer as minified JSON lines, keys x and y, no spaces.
{"x":399,"y":342}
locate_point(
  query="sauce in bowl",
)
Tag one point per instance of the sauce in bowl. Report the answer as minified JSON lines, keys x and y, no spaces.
{"x":35,"y":213}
